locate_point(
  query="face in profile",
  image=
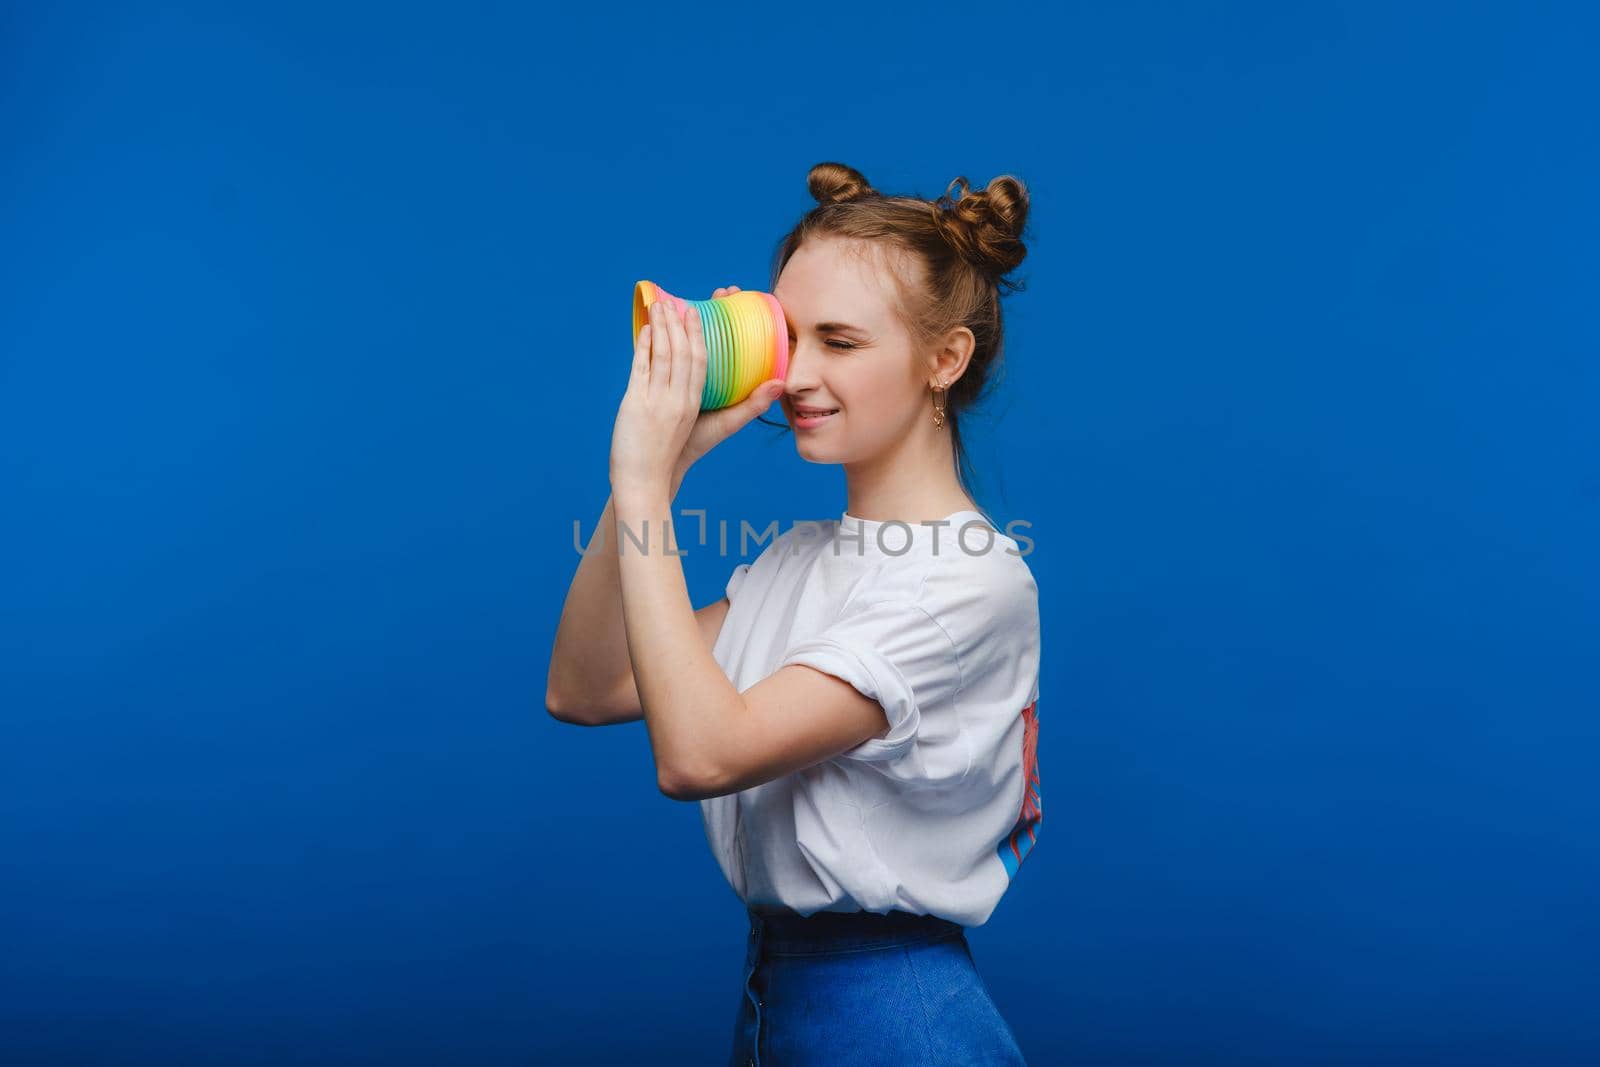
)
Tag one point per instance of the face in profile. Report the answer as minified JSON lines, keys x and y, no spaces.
{"x":854,"y":387}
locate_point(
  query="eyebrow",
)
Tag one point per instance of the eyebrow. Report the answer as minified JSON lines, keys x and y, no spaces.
{"x":831,"y":327}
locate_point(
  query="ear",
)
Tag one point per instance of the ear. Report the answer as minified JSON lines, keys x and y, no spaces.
{"x":951,"y":356}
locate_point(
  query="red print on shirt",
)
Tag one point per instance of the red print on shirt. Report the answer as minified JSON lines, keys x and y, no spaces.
{"x":1016,"y":845}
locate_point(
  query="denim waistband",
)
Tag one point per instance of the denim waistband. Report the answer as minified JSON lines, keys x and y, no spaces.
{"x":788,"y":933}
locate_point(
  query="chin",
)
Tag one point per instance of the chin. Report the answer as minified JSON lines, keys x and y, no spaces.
{"x":816,"y":451}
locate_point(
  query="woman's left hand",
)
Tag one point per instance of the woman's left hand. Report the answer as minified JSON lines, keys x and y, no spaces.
{"x":661,"y":403}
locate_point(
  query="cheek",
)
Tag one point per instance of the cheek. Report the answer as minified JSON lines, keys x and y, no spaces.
{"x":873,"y":389}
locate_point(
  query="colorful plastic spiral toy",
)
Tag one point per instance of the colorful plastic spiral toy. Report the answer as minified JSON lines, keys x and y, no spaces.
{"x":747,"y":339}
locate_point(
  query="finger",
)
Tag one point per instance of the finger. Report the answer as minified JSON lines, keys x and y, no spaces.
{"x":765,"y":394}
{"x":678,"y":368}
{"x":697,"y":358}
{"x":641,"y":353}
{"x":760,"y":398}
{"x":660,"y":349}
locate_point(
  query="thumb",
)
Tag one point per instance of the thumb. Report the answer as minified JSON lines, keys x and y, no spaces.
{"x":765,"y":394}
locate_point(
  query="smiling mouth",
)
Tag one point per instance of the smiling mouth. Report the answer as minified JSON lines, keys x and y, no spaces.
{"x":801,"y":413}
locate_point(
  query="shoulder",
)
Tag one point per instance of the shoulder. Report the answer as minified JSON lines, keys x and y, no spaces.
{"x":978,"y":564}
{"x":982,"y":591}
{"x":965,"y":568}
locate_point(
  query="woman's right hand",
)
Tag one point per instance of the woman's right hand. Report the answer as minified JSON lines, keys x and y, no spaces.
{"x":711,"y":428}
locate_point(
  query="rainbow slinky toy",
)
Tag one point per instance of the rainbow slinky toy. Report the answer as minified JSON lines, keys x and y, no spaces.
{"x":747,"y":339}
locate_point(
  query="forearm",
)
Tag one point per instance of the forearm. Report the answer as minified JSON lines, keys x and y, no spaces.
{"x":590,"y":652}
{"x":688,"y":701}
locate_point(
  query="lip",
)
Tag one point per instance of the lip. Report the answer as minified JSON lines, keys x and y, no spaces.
{"x":809,"y":422}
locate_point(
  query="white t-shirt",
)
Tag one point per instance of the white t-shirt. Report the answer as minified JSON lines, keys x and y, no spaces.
{"x":936,"y":817}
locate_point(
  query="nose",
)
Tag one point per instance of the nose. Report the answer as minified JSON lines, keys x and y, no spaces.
{"x":800,"y":378}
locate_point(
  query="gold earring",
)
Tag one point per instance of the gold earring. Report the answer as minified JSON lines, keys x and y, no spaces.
{"x":939,"y":397}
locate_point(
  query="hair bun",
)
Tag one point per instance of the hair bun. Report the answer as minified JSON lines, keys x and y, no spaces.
{"x":831,"y":183}
{"x":985,"y":227}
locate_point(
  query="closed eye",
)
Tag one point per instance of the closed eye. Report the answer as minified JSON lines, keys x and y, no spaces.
{"x":833,"y":344}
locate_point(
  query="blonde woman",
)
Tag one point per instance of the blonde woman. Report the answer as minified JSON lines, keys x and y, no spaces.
{"x":857,"y":716}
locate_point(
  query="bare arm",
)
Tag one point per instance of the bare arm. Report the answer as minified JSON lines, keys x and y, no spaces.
{"x":707,"y":737}
{"x":590,"y":682}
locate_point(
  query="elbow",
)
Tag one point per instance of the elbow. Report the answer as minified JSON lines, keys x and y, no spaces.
{"x":561,"y":710}
{"x":681,"y":786}
{"x":698,"y":774}
{"x":671,"y":786}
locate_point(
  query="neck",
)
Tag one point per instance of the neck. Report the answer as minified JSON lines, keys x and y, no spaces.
{"x":913,"y":480}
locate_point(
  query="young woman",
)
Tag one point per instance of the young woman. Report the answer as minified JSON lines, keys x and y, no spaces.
{"x":857,"y":715}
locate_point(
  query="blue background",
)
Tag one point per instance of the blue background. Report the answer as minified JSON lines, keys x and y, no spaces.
{"x":313,"y":326}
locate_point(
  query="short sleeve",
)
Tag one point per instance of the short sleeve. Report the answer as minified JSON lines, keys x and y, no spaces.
{"x":736,"y":580}
{"x":897,"y":653}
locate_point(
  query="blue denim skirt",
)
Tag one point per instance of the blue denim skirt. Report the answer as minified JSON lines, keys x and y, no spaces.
{"x":849,"y":989}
